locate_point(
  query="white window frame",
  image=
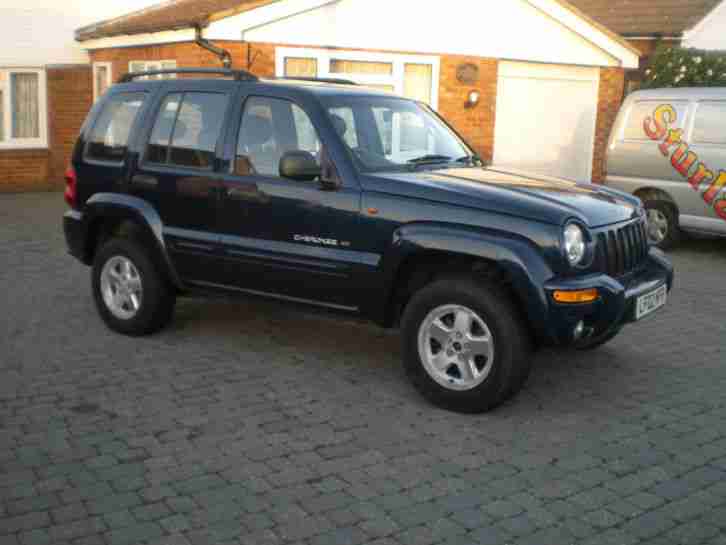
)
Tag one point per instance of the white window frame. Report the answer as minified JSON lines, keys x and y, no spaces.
{"x":395,"y":79}
{"x":109,"y":77}
{"x":6,"y":86}
{"x":155,"y":65}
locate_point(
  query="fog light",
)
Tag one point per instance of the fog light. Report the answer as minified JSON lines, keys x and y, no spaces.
{"x":575,"y":297}
{"x":578,"y":331}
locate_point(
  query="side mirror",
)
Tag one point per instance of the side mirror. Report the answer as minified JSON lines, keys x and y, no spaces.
{"x":299,"y":165}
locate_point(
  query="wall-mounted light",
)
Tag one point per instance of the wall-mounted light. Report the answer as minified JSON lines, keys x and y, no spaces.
{"x":473,"y":98}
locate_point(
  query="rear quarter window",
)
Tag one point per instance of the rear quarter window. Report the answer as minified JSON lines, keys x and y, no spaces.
{"x":709,"y":125}
{"x":109,"y":138}
{"x":634,"y":126}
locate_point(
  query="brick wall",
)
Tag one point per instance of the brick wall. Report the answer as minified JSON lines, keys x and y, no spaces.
{"x":610,"y":97}
{"x":23,"y":170}
{"x":476,"y":124}
{"x":69,"y":93}
{"x":70,"y":97}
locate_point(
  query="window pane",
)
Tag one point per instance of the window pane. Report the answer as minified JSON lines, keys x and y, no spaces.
{"x":168,"y":65}
{"x":640,"y":111}
{"x":389,"y":88}
{"x":2,"y":115}
{"x":156,"y":150}
{"x":25,"y":109}
{"x":338,"y":66}
{"x":270,"y":128}
{"x":197,"y":129}
{"x":344,"y":123}
{"x":110,"y":135}
{"x":101,"y":79}
{"x":417,"y":82}
{"x":710,"y":124}
{"x":301,"y":68}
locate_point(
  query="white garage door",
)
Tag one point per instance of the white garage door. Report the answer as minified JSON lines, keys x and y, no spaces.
{"x":546,"y":119}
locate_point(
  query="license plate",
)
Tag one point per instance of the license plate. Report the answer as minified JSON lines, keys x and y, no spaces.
{"x":650,"y":302}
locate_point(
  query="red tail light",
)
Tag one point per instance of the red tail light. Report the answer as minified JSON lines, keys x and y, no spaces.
{"x":71,"y":193}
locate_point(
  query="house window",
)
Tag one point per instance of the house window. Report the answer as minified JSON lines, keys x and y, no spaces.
{"x":415,"y":77}
{"x":147,"y":66}
{"x":22,"y":108}
{"x":101,"y":78}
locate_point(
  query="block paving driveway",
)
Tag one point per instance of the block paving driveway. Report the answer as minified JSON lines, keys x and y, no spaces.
{"x":251,"y":422}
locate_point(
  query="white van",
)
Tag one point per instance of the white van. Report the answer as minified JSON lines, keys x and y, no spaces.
{"x":668,"y":147}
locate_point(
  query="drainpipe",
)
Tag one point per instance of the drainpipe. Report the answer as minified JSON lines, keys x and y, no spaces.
{"x":223,"y":54}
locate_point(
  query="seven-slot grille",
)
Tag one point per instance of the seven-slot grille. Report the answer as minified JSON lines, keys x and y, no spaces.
{"x":622,"y":250}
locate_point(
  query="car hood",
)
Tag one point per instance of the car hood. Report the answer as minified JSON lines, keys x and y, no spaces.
{"x":534,"y":196}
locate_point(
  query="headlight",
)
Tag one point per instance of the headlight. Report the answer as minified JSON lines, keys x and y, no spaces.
{"x":574,"y":244}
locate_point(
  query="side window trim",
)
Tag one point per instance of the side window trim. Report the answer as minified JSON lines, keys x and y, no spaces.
{"x":98,"y":111}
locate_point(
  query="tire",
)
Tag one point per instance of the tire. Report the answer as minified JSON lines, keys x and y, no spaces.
{"x":670,"y":233}
{"x":155,"y":297}
{"x":594,"y":344}
{"x":504,"y":374}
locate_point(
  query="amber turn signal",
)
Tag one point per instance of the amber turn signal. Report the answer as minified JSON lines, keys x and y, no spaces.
{"x":578,"y":296}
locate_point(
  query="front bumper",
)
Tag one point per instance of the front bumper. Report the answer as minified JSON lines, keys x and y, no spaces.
{"x":615,"y":306}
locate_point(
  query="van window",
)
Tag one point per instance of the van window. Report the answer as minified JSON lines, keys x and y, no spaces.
{"x":109,"y":137}
{"x":640,"y":111}
{"x":187,"y":129}
{"x":709,"y":126}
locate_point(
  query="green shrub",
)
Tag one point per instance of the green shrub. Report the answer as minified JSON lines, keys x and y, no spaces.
{"x":679,"y":67}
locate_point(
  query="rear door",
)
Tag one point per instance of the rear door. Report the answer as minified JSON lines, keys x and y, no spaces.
{"x":179,"y":172}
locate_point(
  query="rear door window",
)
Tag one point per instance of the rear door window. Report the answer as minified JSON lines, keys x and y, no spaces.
{"x":109,"y":138}
{"x":709,"y":125}
{"x":187,"y":129}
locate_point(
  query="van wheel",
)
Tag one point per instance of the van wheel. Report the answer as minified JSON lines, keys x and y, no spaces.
{"x":663,"y":229}
{"x":132,"y":296}
{"x":464,"y":346}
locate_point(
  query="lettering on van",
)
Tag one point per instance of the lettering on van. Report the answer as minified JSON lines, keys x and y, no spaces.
{"x":687,"y":163}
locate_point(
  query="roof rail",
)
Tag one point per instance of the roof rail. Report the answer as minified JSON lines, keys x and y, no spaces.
{"x":339,"y":81}
{"x":239,"y":75}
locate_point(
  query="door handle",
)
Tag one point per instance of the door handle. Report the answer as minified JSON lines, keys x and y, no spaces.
{"x":145,"y":180}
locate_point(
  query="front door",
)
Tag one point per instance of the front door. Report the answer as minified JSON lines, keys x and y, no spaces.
{"x":179,"y":175}
{"x":284,"y":237}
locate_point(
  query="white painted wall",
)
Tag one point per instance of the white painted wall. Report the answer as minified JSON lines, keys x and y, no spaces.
{"x":41,"y":32}
{"x":709,"y":33}
{"x":514,"y":29}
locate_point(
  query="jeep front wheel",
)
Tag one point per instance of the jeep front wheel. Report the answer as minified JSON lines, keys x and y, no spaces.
{"x":465,"y":348}
{"x":132,"y":296}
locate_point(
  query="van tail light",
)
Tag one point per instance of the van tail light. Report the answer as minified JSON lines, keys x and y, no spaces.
{"x":71,"y":192}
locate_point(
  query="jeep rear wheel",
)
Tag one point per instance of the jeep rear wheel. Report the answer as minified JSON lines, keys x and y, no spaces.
{"x":132,"y":296}
{"x":465,"y":348}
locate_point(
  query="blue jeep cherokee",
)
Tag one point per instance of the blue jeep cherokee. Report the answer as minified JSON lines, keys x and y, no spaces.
{"x":326,"y":193}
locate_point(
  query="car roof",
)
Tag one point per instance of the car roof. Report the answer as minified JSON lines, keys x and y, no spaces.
{"x":682,"y":93}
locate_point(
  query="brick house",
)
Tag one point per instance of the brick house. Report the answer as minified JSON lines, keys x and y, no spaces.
{"x":646,"y":24}
{"x":549,"y":77}
{"x":45,"y":88}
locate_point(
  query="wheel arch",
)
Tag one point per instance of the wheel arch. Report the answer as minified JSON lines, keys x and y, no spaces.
{"x":654,"y":194}
{"x":109,"y":214}
{"x":424,"y":252}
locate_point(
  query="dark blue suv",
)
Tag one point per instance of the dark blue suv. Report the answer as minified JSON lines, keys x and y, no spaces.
{"x":330,"y":194}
